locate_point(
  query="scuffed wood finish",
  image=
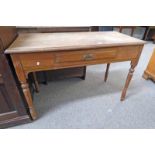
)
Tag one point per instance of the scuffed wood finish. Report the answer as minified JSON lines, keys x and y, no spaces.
{"x":114,"y":47}
{"x":40,"y":42}
{"x":149,"y":73}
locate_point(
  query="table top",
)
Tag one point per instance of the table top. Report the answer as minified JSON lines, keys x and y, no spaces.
{"x":39,"y":42}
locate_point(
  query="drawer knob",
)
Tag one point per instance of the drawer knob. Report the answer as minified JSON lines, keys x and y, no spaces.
{"x":38,"y":63}
{"x":88,"y":57}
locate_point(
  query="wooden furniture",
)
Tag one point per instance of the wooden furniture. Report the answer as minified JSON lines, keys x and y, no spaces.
{"x":37,"y":52}
{"x":12,"y":107}
{"x":45,"y":76}
{"x":149,"y":73}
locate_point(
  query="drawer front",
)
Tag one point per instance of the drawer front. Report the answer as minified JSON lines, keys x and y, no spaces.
{"x":97,"y":55}
{"x":128,"y":52}
{"x":37,"y":61}
{"x":62,"y":59}
{"x":85,"y":55}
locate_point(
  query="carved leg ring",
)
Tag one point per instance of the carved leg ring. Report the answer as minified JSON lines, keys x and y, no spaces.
{"x":129,"y":77}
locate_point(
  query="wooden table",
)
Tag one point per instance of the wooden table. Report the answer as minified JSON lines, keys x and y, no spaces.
{"x":36,"y":52}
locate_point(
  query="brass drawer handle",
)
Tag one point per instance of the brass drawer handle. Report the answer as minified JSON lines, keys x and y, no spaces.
{"x":88,"y":56}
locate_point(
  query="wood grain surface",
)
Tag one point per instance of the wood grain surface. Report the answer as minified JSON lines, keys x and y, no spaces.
{"x":35,"y":42}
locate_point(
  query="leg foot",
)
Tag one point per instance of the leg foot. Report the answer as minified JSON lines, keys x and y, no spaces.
{"x":129,"y":77}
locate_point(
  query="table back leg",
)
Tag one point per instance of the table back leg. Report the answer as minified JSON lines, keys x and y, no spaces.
{"x":35,"y":82}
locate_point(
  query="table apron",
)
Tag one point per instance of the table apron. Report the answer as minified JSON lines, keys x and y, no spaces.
{"x":39,"y":61}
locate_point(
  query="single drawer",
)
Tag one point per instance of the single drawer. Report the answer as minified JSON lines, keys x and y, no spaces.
{"x":86,"y":55}
{"x":37,"y":61}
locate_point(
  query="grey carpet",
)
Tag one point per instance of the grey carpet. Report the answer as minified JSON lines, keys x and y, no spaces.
{"x":92,"y":103}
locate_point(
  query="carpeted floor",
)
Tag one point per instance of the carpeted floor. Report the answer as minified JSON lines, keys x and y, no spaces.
{"x":75,"y":103}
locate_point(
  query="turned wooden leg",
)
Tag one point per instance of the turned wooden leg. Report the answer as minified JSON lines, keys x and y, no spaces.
{"x":28,"y":97}
{"x":129,"y":77}
{"x":35,"y":82}
{"x":107,"y":72}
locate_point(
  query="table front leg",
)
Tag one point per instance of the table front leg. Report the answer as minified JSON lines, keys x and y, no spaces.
{"x":129,"y":77}
{"x":22,"y":77}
